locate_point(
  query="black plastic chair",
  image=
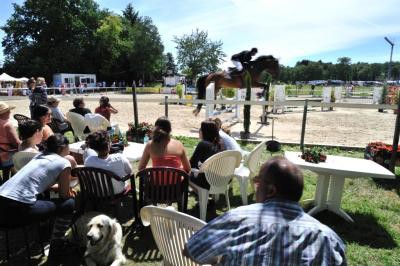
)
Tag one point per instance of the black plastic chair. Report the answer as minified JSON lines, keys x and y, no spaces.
{"x":96,"y":187}
{"x":6,"y":228}
{"x":164,"y":185}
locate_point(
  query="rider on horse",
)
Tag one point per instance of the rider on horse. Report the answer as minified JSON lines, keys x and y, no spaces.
{"x":242,"y":58}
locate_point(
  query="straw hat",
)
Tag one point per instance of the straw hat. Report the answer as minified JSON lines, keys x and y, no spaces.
{"x":4,"y":108}
{"x":53,"y":99}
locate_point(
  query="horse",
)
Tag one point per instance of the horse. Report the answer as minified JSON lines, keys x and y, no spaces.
{"x":262,"y":63}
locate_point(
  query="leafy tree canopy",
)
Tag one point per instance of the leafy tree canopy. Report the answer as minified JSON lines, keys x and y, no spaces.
{"x":197,"y":54}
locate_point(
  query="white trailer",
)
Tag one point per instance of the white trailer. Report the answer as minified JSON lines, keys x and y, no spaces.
{"x":74,"y":80}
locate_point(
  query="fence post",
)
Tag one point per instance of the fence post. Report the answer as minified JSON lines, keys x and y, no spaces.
{"x":134,"y":100}
{"x":166,"y":106}
{"x":395,"y":140}
{"x":303,"y":126}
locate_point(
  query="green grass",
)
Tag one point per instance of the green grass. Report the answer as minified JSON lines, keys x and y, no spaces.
{"x":373,"y":239}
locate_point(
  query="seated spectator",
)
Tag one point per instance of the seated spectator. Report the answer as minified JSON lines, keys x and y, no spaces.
{"x":105,"y":109}
{"x":31,"y":134}
{"x":209,"y":145}
{"x":42,"y":114}
{"x":273,"y":231}
{"x":229,"y":142}
{"x":19,"y":195}
{"x":8,"y":135}
{"x":79,"y":107}
{"x":117,"y":163}
{"x":163,"y":150}
{"x":52,"y":103}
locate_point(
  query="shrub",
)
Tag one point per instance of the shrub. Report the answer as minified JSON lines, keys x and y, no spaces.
{"x":179,"y":90}
{"x":228,"y":92}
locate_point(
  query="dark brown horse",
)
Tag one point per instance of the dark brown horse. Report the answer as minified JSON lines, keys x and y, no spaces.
{"x":221,"y":79}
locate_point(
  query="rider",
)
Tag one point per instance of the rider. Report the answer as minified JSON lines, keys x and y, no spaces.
{"x":243,"y":57}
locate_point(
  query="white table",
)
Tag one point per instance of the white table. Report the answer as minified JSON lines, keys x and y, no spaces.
{"x":331,"y":175}
{"x":133,"y":152}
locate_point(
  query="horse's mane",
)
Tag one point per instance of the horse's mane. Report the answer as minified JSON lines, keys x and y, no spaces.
{"x":265,"y":58}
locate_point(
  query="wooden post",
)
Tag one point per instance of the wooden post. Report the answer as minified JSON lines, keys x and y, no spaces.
{"x":395,"y":140}
{"x":134,"y":100}
{"x":166,"y":106}
{"x":303,"y":126}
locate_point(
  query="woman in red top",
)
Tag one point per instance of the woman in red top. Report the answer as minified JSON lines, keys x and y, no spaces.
{"x":105,"y":109}
{"x":163,"y":150}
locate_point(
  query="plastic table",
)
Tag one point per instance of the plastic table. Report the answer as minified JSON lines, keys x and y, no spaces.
{"x":331,"y":175}
{"x":133,"y":152}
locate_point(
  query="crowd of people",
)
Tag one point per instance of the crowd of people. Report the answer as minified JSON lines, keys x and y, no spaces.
{"x":279,"y":187}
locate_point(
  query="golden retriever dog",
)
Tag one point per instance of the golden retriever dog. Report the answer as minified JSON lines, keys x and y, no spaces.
{"x":103,"y":239}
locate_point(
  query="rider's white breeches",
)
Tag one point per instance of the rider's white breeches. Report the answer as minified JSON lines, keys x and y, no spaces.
{"x":238,"y":65}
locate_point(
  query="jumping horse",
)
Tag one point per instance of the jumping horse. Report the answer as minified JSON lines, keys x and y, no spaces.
{"x":221,"y":79}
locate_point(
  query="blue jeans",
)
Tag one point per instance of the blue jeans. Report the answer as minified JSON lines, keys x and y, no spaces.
{"x":23,"y":213}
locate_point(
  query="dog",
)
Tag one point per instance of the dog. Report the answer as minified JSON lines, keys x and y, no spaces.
{"x":103,"y":239}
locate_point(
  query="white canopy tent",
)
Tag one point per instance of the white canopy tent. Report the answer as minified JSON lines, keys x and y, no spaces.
{"x":5,"y":77}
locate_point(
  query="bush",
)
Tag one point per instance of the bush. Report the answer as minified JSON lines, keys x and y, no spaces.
{"x":179,"y":90}
{"x":228,"y":92}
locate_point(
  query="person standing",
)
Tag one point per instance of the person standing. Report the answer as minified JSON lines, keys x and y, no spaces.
{"x":273,"y":231}
{"x":38,"y":95}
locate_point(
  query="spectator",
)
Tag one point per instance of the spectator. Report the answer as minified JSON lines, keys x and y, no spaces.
{"x":117,"y":163}
{"x":163,"y":150}
{"x":31,"y":134}
{"x":105,"y":109}
{"x":38,"y":95}
{"x":229,"y":142}
{"x":273,"y":231}
{"x":42,"y":114}
{"x":52,"y":103}
{"x":79,"y":107}
{"x":209,"y":145}
{"x":19,"y":195}
{"x":8,"y":136}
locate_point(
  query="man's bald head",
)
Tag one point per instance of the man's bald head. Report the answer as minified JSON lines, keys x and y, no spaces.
{"x":281,"y":177}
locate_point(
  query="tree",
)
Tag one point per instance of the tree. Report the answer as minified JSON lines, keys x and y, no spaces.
{"x":170,"y":64}
{"x":197,"y":54}
{"x":47,"y":36}
{"x":344,"y":69}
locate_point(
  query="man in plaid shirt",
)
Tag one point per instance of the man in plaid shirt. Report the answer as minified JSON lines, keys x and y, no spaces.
{"x":273,"y":231}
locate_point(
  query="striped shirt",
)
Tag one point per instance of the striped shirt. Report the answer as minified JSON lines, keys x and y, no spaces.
{"x":275,"y":232}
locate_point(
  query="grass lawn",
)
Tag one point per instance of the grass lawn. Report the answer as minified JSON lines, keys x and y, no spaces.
{"x":373,"y":239}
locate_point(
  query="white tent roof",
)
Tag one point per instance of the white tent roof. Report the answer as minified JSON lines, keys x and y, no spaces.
{"x":6,"y":77}
{"x":23,"y":79}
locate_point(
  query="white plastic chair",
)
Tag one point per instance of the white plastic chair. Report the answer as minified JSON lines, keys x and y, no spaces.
{"x":219,"y":171}
{"x":21,"y":158}
{"x":96,"y":122}
{"x":171,"y":230}
{"x":78,"y":124}
{"x":248,"y":169}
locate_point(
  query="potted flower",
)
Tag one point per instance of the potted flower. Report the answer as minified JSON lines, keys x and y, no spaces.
{"x":380,"y":153}
{"x":138,"y":133}
{"x":314,"y":155}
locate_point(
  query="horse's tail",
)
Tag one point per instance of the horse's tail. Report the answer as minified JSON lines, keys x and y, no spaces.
{"x":201,"y":92}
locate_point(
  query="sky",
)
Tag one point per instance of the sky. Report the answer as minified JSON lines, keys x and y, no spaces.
{"x":291,"y":30}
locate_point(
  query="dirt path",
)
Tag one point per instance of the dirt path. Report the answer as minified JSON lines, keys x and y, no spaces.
{"x":344,"y":126}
